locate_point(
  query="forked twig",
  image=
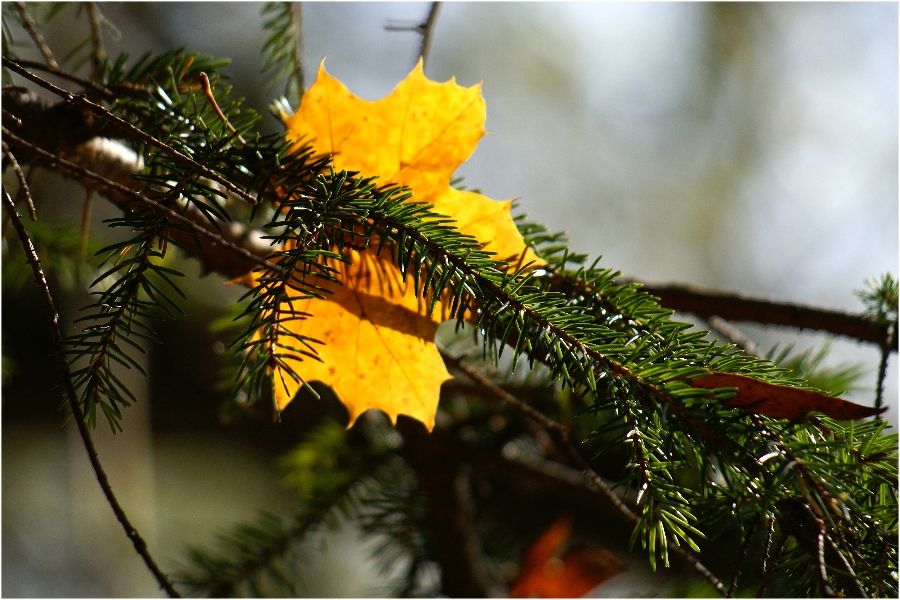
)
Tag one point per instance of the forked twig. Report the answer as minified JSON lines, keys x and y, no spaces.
{"x":71,"y":396}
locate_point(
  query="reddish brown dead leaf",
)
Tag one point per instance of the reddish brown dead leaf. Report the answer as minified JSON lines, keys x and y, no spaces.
{"x":782,"y":402}
{"x":545,"y":575}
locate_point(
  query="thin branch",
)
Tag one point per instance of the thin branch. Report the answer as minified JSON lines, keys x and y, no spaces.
{"x":891,"y":341}
{"x":24,"y":188}
{"x":85,"y":220}
{"x":300,"y":49}
{"x":97,"y":52}
{"x":427,"y":31}
{"x":207,"y":91}
{"x":735,"y":307}
{"x":96,"y":108}
{"x":52,"y":316}
{"x":731,"y":333}
{"x":30,"y":26}
{"x":563,"y":437}
{"x":767,"y":573}
{"x":101,"y":91}
{"x":742,"y":553}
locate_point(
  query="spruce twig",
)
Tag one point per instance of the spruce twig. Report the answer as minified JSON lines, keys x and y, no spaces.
{"x":62,"y":365}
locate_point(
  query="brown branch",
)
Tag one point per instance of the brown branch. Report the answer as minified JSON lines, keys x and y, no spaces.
{"x":427,"y":31}
{"x":89,"y":85}
{"x":52,"y":316}
{"x":705,"y":303}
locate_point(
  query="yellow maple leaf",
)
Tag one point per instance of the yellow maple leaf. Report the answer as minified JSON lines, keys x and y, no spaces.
{"x":417,"y":136}
{"x":379,"y":349}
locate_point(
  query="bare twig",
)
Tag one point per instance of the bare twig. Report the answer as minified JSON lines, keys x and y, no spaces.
{"x":742,"y":553}
{"x":767,"y":572}
{"x":427,"y":31}
{"x":735,"y":307}
{"x":24,"y":188}
{"x":101,"y":91}
{"x":97,"y":109}
{"x":563,"y":437}
{"x":96,"y":40}
{"x":86,"y":220}
{"x":30,"y":26}
{"x":52,"y":316}
{"x":890,"y":342}
{"x":300,"y":46}
{"x":731,"y":333}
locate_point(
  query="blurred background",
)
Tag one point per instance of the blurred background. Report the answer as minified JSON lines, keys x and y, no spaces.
{"x":747,"y":147}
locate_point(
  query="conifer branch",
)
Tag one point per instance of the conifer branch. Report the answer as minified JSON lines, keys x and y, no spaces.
{"x":691,"y":299}
{"x":80,"y":100}
{"x":62,"y":365}
{"x":610,"y":343}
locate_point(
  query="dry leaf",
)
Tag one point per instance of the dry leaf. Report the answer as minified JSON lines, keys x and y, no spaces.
{"x":782,"y":402}
{"x":547,"y":573}
{"x":416,"y":136}
{"x":378,"y":347}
